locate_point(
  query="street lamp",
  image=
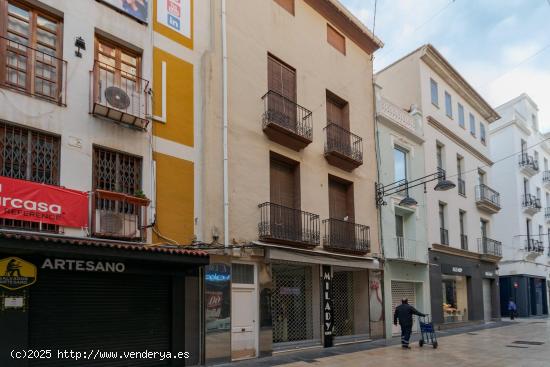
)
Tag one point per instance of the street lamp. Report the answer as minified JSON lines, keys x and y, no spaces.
{"x":385,"y":190}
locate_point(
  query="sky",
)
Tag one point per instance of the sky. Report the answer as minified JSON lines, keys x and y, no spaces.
{"x":501,"y":47}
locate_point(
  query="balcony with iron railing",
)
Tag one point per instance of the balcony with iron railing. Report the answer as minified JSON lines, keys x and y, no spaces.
{"x":344,"y":236}
{"x":33,"y":72}
{"x":528,"y":164}
{"x":294,"y":227}
{"x":487,"y":199}
{"x":286,"y":122}
{"x":464,"y":242}
{"x":488,"y":246}
{"x":461,"y":186}
{"x":119,"y":96}
{"x":405,"y":249}
{"x":444,"y":236}
{"x":546,"y":178}
{"x":534,"y":245}
{"x":530,"y":204}
{"x":343,"y":149}
{"x":119,"y":216}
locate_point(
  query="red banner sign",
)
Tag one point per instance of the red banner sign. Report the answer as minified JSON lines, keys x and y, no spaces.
{"x":35,"y":202}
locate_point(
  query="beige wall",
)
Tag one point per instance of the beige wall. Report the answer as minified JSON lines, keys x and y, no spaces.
{"x":256,"y":28}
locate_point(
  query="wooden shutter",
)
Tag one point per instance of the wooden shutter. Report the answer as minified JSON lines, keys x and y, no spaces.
{"x":281,"y":78}
{"x":335,"y":113}
{"x":283,"y":184}
{"x":340,"y":200}
{"x":337,"y":40}
{"x":288,"y":5}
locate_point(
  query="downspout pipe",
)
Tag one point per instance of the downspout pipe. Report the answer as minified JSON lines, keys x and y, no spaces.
{"x":225,"y":128}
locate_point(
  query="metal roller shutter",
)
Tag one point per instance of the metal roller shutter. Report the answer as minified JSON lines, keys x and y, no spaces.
{"x":400,"y":290}
{"x":109,"y":312}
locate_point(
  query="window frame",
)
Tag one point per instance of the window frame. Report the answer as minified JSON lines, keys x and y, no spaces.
{"x":448,"y":105}
{"x":472,"y":119}
{"x":434,"y":93}
{"x":30,"y":51}
{"x":340,"y":48}
{"x":461,"y":115}
{"x":118,"y":155}
{"x":482,"y":133}
{"x":397,"y":148}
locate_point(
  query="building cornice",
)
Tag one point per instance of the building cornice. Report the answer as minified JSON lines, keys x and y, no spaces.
{"x":347,"y":23}
{"x":448,"y":73}
{"x":458,"y":140}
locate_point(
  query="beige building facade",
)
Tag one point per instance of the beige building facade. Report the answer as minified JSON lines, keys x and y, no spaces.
{"x":289,"y":171}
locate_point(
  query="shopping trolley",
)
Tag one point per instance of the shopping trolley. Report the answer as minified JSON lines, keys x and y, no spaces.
{"x":427,"y":331}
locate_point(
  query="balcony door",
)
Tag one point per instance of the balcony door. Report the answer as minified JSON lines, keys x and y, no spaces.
{"x":281,"y":80}
{"x":341,"y":211}
{"x":399,"y":236}
{"x":338,"y":137}
{"x":285,"y":198}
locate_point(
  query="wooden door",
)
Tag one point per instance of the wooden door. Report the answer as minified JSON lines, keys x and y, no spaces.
{"x":338,"y":137}
{"x":342,"y":229}
{"x":282,"y":102}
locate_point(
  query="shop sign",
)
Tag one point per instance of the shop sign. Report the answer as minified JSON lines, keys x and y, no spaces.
{"x":176,"y":15}
{"x":134,"y":8}
{"x":36,"y":202}
{"x":457,"y":269}
{"x":16,"y":273}
{"x":489,"y":274}
{"x":290,"y":291}
{"x":84,"y":265}
{"x":328,"y":310}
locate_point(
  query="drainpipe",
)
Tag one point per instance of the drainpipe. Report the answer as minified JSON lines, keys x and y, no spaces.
{"x":225,"y":126}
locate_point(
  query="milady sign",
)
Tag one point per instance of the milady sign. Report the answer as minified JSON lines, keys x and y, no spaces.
{"x":83,"y":265}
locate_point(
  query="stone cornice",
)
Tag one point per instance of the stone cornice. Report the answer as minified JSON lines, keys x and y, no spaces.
{"x":458,"y":140}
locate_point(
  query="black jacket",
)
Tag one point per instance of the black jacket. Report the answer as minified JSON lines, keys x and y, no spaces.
{"x":404,"y":313}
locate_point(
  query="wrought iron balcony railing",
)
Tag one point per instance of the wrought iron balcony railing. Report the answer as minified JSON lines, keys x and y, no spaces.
{"x":464,"y":242}
{"x":343,"y":148}
{"x":33,"y":72}
{"x":461,"y":186}
{"x":529,"y":201}
{"x":534,"y":245}
{"x":286,"y":122}
{"x":119,"y":96}
{"x":487,"y":198}
{"x":488,"y":246}
{"x":527,"y":161}
{"x":346,"y":236}
{"x":119,"y":216}
{"x":287,"y":225}
{"x":444,"y":236}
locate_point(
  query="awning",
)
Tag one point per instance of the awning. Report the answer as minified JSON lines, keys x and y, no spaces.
{"x":322,"y":257}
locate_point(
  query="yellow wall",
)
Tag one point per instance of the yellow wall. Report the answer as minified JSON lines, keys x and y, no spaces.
{"x":175,"y":198}
{"x":169,"y":33}
{"x":179,"y":99}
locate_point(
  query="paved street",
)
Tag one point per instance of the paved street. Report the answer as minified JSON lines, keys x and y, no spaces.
{"x":495,"y":346}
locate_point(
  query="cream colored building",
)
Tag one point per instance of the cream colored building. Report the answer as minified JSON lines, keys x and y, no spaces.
{"x":464,"y":249}
{"x":290,"y":108}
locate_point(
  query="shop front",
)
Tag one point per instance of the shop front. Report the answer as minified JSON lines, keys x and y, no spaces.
{"x":272,"y":299}
{"x":527,"y":291}
{"x":66,"y":294}
{"x":464,"y":288}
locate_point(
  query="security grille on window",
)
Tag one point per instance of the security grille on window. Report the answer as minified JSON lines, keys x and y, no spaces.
{"x":30,"y":50}
{"x":116,"y":171}
{"x":28,"y":155}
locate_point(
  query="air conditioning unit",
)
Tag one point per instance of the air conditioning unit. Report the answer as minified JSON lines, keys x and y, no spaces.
{"x":114,"y":224}
{"x":131,"y":103}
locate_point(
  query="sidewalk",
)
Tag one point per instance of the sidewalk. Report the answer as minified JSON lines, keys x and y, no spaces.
{"x":311,"y":355}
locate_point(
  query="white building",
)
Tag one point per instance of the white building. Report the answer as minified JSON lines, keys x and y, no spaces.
{"x":523,"y":226}
{"x":463,"y":256}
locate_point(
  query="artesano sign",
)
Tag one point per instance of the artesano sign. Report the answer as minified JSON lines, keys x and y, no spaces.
{"x":34,"y":202}
{"x":84,"y":265}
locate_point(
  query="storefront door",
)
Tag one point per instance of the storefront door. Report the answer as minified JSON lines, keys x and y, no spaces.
{"x":244,"y":312}
{"x":487,"y":304}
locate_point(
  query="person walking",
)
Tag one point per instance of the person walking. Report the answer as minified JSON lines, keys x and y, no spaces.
{"x":404,"y":314}
{"x":512,"y":308}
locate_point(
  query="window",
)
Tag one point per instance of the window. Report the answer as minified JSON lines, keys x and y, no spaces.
{"x":400,"y":164}
{"x":340,"y":195}
{"x":534,"y":121}
{"x":538,"y":193}
{"x":460,"y":179}
{"x":536,"y":156}
{"x":117,"y":66}
{"x":434,"y":93}
{"x":337,"y":111}
{"x":336,"y":39}
{"x":545,"y":164}
{"x":483,"y":226}
{"x":547,"y":200}
{"x":116,"y":171}
{"x":462,"y":226}
{"x":288,"y":5}
{"x":472,"y":125}
{"x":523,"y":146}
{"x":284,"y":183}
{"x":448,"y":105}
{"x":29,"y":155}
{"x":482,"y":133}
{"x":439,"y":156}
{"x":31,"y":54}
{"x":481,"y":177}
{"x":444,"y":233}
{"x":455,"y":298}
{"x":242,"y":273}
{"x":461,"y":115}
